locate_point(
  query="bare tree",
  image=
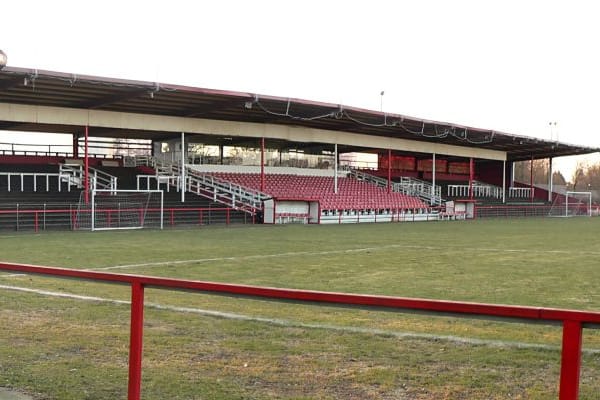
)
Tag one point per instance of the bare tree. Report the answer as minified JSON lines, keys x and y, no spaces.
{"x":578,"y":179}
{"x":540,"y":171}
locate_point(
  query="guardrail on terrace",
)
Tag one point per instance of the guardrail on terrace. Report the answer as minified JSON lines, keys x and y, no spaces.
{"x":573,"y":321}
{"x":49,"y":216}
{"x":516,"y":211}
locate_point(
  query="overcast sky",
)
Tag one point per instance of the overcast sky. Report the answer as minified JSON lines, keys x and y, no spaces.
{"x":511,"y":66}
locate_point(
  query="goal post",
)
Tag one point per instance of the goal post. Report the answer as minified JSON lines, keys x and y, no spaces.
{"x":120,"y":209}
{"x":578,"y":204}
{"x":572,"y":204}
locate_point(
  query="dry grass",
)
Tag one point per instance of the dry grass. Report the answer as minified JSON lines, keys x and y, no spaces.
{"x":67,"y":349}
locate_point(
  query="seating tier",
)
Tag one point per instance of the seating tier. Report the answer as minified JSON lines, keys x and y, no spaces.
{"x":352,"y":193}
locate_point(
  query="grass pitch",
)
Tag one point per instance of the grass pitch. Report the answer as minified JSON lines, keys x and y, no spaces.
{"x":213,"y":347}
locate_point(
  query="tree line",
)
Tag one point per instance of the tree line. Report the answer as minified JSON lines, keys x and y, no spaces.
{"x":586,"y":177}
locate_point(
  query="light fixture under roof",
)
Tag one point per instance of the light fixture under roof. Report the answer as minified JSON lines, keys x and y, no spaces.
{"x":3,"y":59}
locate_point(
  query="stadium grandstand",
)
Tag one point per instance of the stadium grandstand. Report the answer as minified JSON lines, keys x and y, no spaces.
{"x":223,"y":157}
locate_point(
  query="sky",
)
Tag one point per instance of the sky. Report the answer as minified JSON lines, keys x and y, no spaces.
{"x":510,"y":66}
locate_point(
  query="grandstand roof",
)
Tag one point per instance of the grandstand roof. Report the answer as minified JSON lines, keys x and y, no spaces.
{"x":58,"y":89}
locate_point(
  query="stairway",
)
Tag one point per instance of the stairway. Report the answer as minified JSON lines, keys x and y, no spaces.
{"x":217,"y":190}
{"x":408,"y":186}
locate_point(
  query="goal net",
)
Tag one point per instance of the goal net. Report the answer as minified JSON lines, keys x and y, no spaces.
{"x":120,"y":209}
{"x":572,"y":204}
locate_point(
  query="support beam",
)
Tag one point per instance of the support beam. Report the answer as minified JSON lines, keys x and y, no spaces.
{"x":335,"y":168}
{"x":262,"y":164}
{"x":550,"y":179}
{"x":471,"y":175}
{"x":503,"y":182}
{"x":161,"y":124}
{"x":75,"y":145}
{"x":182,"y":185}
{"x":512,"y":174}
{"x":531,"y":179}
{"x":389,"y":183}
{"x":86,"y":172}
{"x":433,"y":179}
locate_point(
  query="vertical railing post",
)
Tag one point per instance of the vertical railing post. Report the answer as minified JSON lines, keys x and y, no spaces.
{"x":570,"y":363}
{"x":136,"y":340}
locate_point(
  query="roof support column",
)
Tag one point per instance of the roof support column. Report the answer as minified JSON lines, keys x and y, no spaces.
{"x":86,"y":166}
{"x":75,"y":150}
{"x":389,"y":176}
{"x":512,"y":174}
{"x":262,"y":164}
{"x":471,"y":174}
{"x":504,"y":182}
{"x":182,"y":185}
{"x":531,"y":180}
{"x":433,"y":180}
{"x":550,"y":179}
{"x":335,"y":168}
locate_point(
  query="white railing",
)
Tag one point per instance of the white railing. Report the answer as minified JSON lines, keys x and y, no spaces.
{"x":148,"y":161}
{"x":479,"y":190}
{"x":419,"y":188}
{"x":102,"y":180}
{"x":74,"y":175}
{"x":375,"y":180}
{"x":168,"y":180}
{"x":521,"y":192}
{"x":36,"y":176}
{"x":409,"y":186}
{"x":225,"y":192}
{"x":201,"y":184}
{"x":490,"y":191}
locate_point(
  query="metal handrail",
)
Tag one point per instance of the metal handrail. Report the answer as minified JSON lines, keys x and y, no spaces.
{"x":573,"y":321}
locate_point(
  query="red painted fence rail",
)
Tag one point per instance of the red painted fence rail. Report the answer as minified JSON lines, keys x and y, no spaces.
{"x":573,"y":321}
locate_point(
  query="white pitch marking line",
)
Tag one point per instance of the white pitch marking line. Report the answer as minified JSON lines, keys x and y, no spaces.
{"x":292,"y":324}
{"x":249,"y":257}
{"x":327,"y":252}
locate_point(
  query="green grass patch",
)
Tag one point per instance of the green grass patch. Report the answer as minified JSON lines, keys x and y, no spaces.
{"x":59,"y":348}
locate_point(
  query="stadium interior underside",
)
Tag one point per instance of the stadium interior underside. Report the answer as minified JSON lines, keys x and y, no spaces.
{"x":249,"y":158}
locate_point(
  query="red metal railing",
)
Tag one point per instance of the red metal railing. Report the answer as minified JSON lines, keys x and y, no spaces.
{"x":172,"y":216}
{"x":573,"y":321}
